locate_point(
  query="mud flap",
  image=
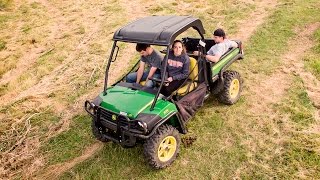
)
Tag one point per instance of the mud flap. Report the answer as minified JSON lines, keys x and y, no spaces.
{"x":189,"y":104}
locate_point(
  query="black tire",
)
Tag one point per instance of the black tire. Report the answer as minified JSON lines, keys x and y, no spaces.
{"x":156,"y":146}
{"x":232,"y":88}
{"x":217,"y":87}
{"x":97,"y":131}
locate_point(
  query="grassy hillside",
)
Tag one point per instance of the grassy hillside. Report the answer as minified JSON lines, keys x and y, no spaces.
{"x":53,"y":55}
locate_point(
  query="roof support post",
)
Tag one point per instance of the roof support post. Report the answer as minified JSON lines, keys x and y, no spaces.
{"x":162,"y":78}
{"x":107,"y":68}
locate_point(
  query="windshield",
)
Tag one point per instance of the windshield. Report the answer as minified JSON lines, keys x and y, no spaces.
{"x":127,"y":61}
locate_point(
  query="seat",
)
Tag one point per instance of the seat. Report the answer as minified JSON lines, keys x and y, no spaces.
{"x":143,"y":83}
{"x":192,"y":79}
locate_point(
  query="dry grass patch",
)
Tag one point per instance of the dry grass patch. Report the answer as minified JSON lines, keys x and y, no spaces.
{"x":233,"y":142}
{"x":312,"y":59}
{"x":57,"y":61}
{"x":5,"y":4}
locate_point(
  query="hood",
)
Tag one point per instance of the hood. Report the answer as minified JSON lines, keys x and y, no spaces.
{"x":126,"y":100}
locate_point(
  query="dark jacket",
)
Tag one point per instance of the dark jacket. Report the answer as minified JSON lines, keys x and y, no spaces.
{"x":178,"y":66}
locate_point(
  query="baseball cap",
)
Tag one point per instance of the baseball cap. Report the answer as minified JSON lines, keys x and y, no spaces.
{"x":219,"y":32}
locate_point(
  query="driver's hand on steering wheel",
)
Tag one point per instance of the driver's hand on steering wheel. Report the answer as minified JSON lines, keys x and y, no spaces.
{"x":170,"y":79}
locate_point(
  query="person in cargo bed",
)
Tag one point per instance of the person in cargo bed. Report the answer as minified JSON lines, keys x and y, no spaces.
{"x":222,"y":46}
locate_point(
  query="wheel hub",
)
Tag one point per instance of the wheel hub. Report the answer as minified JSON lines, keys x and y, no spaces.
{"x":167,"y":148}
{"x":234,"y":88}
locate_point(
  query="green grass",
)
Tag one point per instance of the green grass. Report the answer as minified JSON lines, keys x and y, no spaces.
{"x":40,"y":120}
{"x":236,"y":11}
{"x":8,"y":63}
{"x":271,"y":39}
{"x":233,"y":142}
{"x":5,"y":4}
{"x":300,"y":145}
{"x":33,"y":21}
{"x":3,"y":89}
{"x":222,"y":13}
{"x":69,"y":144}
{"x":302,"y":152}
{"x":4,"y":19}
{"x":26,"y":28}
{"x":163,"y":8}
{"x":297,"y":105}
{"x":97,"y":49}
{"x":35,"y":5}
{"x":46,"y":63}
{"x":118,"y":163}
{"x":81,"y":30}
{"x":2,"y":45}
{"x":312,"y":60}
{"x":44,"y":119}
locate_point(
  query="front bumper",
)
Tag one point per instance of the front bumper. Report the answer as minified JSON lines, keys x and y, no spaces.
{"x":120,"y":128}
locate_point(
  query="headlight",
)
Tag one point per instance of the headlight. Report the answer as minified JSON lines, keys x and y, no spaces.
{"x":143,"y":125}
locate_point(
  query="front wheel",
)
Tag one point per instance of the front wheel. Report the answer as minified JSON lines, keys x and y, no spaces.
{"x":162,"y":148}
{"x":232,"y":87}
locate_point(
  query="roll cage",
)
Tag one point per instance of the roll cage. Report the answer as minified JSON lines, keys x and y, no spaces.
{"x":160,"y":31}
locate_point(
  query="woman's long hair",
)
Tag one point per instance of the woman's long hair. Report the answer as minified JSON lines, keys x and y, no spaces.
{"x":184,"y":51}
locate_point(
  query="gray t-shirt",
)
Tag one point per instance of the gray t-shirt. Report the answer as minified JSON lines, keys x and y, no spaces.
{"x":221,"y":48}
{"x":153,"y":60}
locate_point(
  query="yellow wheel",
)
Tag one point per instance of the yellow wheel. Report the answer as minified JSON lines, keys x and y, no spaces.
{"x":162,"y":148}
{"x":232,"y":86}
{"x":167,"y":148}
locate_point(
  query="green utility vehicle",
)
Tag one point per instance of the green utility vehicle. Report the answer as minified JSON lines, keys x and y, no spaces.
{"x":128,"y":113}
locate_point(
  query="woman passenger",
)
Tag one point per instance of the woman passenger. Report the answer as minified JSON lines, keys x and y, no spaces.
{"x":177,"y":69}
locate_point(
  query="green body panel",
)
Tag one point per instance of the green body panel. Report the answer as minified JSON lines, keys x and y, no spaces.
{"x":162,"y":108}
{"x":217,"y":67}
{"x":133,"y":102}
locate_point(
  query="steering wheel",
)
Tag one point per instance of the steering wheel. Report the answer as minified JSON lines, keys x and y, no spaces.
{"x":158,"y":80}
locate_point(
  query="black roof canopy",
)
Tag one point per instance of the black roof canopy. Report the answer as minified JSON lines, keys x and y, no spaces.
{"x":157,"y":30}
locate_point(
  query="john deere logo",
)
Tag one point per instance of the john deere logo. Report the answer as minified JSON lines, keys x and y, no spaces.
{"x":114,"y":117}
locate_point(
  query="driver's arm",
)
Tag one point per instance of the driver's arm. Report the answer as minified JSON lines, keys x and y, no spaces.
{"x":151,"y":72}
{"x":140,"y":71}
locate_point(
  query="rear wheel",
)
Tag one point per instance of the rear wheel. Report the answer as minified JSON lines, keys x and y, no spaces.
{"x":232,"y":87}
{"x":162,"y":148}
{"x":98,"y":131}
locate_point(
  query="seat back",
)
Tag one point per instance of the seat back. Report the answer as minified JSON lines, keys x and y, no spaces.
{"x":193,"y":76}
{"x":193,"y":69}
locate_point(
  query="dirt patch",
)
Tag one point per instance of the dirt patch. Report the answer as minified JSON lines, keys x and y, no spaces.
{"x":270,"y":90}
{"x":271,"y":131}
{"x":266,"y":91}
{"x":60,"y":79}
{"x":257,"y":17}
{"x":56,"y":170}
{"x":135,"y":12}
{"x":22,"y":157}
{"x":135,"y":9}
{"x":294,"y":61}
